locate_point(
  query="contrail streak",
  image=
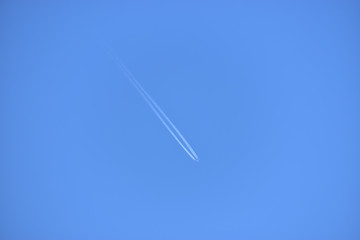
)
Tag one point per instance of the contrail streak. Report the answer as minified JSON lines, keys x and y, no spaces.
{"x":161,"y":112}
{"x":158,"y":111}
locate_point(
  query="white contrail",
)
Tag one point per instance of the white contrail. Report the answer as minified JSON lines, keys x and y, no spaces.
{"x":158,"y":111}
{"x":135,"y":82}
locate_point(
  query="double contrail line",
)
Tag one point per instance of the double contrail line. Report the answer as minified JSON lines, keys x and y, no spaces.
{"x":157,"y":110}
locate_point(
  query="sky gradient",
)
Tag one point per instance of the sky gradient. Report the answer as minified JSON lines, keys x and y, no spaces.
{"x":267,"y":94}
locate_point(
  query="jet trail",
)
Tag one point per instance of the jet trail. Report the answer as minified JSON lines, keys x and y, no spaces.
{"x":158,"y":111}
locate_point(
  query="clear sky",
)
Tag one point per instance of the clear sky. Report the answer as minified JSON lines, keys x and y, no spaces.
{"x":267,"y":94}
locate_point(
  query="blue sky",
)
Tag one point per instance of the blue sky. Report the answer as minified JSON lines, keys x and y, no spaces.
{"x":266,"y":93}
